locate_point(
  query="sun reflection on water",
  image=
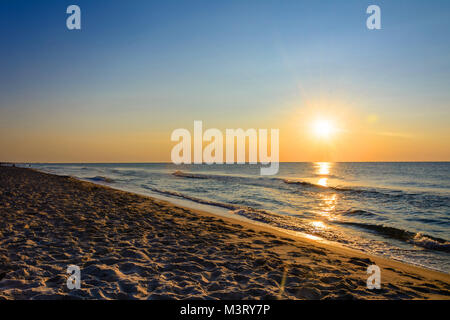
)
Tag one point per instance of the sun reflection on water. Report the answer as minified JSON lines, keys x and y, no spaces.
{"x":328,"y":206}
{"x":323,"y":182}
{"x":322,"y":168}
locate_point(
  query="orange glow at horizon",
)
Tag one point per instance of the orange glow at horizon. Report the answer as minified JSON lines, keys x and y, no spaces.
{"x":321,"y":129}
{"x":347,"y":134}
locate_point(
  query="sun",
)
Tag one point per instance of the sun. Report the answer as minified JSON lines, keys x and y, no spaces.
{"x":323,"y":128}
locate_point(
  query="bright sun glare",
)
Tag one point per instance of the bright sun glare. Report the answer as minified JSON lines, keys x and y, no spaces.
{"x":323,"y":128}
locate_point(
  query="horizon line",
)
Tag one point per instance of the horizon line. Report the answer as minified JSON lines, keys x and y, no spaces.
{"x":204,"y":163}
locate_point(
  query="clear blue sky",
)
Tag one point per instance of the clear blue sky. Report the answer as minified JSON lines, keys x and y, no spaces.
{"x":152,"y":66}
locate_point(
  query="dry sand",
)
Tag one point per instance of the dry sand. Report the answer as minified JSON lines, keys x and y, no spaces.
{"x":134,"y":247}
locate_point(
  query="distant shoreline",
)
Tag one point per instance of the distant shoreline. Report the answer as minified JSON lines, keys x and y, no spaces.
{"x":168,"y":162}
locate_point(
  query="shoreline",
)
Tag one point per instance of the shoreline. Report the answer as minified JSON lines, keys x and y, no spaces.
{"x":225,"y":213}
{"x":251,"y":267}
{"x":295,"y":235}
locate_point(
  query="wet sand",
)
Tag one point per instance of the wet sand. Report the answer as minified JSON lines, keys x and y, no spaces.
{"x":134,"y":247}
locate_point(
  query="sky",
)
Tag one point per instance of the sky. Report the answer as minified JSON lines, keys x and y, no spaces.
{"x":115,"y":90}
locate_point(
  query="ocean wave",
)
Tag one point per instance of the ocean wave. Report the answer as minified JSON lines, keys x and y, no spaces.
{"x":182,"y":174}
{"x":431,"y":243}
{"x":243,"y":180}
{"x":358,"y":212}
{"x":101,"y":179}
{"x":304,"y":183}
{"x":333,"y":188}
{"x":422,"y":200}
{"x":419,"y":239}
{"x":194,"y":199}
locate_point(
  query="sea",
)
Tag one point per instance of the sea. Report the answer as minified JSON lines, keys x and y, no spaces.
{"x":397,"y":210}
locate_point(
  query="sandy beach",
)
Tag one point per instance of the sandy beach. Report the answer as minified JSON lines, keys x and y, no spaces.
{"x":134,"y":247}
